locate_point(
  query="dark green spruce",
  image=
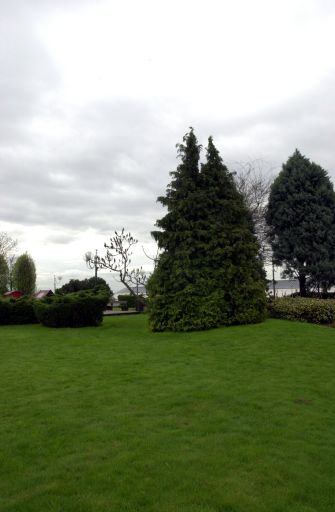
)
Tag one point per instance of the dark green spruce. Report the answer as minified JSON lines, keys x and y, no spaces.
{"x":208,"y":273}
{"x":301,"y":216}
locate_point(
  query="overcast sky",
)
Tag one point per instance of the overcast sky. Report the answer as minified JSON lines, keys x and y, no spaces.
{"x":94,"y":95}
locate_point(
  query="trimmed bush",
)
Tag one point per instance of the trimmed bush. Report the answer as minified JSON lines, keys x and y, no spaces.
{"x":17,"y":311}
{"x":315,"y":311}
{"x":80,"y":309}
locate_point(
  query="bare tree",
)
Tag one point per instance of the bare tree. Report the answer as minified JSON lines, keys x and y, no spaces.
{"x":118,"y":260}
{"x":153,"y":258}
{"x":254,"y":184}
{"x":11,"y":259}
{"x":7,"y":244}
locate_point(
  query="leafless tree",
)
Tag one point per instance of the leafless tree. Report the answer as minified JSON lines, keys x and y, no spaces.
{"x":254,"y":184}
{"x":118,"y":260}
{"x":11,"y":259}
{"x":152,"y":258}
{"x":7,"y":244}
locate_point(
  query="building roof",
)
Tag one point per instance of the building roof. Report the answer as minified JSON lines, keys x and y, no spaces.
{"x":43,"y":293}
{"x":285,"y":284}
{"x":12,"y":292}
{"x":141,"y":290}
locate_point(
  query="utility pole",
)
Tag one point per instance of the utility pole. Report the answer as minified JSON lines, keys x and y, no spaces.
{"x":96,"y":266}
{"x":273,"y":280}
{"x":55,"y":282}
{"x":93,"y":262}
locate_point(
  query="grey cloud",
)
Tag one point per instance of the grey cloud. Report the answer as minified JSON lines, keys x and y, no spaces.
{"x":60,"y":238}
{"x":27,"y":74}
{"x":116,"y":166}
{"x":110,"y":173}
{"x":114,"y":157}
{"x":306,"y":122}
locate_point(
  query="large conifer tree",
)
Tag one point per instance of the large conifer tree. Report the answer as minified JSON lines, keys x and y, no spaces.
{"x":208,"y":273}
{"x":301,"y":216}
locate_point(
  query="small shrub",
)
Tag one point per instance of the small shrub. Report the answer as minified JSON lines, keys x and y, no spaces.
{"x":131,"y":301}
{"x":316,"y":311}
{"x":80,"y":309}
{"x":17,"y":311}
{"x":124,"y":305}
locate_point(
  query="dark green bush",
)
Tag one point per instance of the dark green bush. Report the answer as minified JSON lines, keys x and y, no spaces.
{"x":80,"y":309}
{"x":5,"y":307}
{"x":124,"y":305}
{"x":77,"y":285}
{"x":316,"y":311}
{"x":131,"y":300}
{"x":17,"y":311}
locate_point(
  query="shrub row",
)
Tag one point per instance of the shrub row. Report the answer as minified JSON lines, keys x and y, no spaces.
{"x":316,"y":311}
{"x":80,"y":309}
{"x":19,"y":311}
{"x":315,"y":295}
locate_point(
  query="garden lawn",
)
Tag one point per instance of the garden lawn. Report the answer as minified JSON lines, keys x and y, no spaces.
{"x":116,"y":418}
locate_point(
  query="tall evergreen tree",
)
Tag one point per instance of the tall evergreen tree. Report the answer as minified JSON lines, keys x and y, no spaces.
{"x":301,"y":216}
{"x":208,"y":273}
{"x":24,"y":274}
{"x":4,"y":274}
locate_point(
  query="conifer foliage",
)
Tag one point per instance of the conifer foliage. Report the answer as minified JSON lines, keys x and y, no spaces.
{"x":301,"y":216}
{"x":208,"y":272}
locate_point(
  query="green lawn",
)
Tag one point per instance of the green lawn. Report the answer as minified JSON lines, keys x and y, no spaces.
{"x":115,"y":418}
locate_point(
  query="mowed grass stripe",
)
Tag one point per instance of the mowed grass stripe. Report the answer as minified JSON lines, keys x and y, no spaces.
{"x":117,"y":418}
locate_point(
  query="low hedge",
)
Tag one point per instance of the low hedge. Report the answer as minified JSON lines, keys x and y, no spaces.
{"x":17,"y":311}
{"x":316,"y":311}
{"x":79,"y":309}
{"x":315,"y":295}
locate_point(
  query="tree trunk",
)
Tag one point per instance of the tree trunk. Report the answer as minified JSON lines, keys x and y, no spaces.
{"x":302,"y":285}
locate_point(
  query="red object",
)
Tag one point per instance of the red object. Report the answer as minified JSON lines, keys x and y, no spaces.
{"x":15,"y":294}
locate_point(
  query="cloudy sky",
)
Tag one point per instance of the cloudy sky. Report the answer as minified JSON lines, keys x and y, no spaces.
{"x":94,"y":95}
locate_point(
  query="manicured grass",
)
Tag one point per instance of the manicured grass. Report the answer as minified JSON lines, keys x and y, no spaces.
{"x":116,"y":418}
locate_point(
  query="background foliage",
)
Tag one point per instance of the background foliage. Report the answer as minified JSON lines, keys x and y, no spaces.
{"x":24,"y":274}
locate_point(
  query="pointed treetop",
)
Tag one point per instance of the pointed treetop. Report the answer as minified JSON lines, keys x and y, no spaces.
{"x":189,"y":147}
{"x":212,"y":152}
